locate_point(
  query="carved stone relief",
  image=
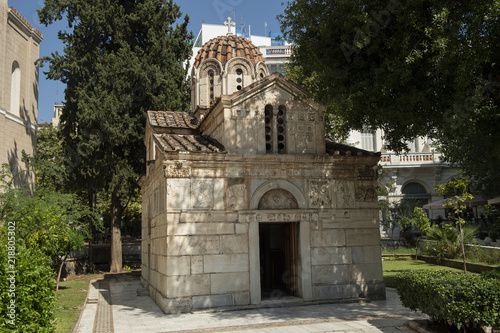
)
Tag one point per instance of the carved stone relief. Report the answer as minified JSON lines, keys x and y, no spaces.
{"x":345,"y":194}
{"x":366,"y":174}
{"x":177,"y":171}
{"x":366,"y":193}
{"x":319,"y":194}
{"x":202,"y":193}
{"x":236,"y":197}
{"x":278,"y":199}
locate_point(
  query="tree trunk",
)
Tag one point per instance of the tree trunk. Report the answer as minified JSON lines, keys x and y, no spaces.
{"x":116,"y":238}
{"x":59,"y":273}
{"x":91,"y":206}
{"x":462,"y":244}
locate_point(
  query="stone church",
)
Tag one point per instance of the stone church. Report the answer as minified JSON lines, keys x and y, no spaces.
{"x":246,"y":202}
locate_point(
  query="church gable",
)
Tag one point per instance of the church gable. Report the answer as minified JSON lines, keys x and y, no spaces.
{"x":272,"y":116}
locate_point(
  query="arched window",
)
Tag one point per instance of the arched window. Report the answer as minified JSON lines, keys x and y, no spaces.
{"x":414,"y":188}
{"x":275,"y":129}
{"x":15,"y":89}
{"x":415,"y":194}
{"x":239,"y":79}
{"x":211,"y":77}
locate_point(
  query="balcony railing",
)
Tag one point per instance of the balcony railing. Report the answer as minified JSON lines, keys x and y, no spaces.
{"x":411,"y":158}
{"x":279,"y":51}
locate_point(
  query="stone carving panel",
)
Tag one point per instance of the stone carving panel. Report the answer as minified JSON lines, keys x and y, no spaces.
{"x":236,"y":197}
{"x":177,"y":171}
{"x":319,"y":194}
{"x":202,"y":193}
{"x":345,"y":194}
{"x":366,"y":193}
{"x":278,"y":199}
{"x":366,"y":174}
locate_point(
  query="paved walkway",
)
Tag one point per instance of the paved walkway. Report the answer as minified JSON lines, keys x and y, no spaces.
{"x":121,"y":305}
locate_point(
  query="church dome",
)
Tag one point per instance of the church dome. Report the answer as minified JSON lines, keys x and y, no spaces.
{"x":224,"y":48}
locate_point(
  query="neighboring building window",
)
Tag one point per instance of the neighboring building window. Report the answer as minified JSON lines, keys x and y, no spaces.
{"x":281,"y":129}
{"x":368,"y":140}
{"x":269,"y":129}
{"x":414,"y":188}
{"x":415,"y":195}
{"x":15,"y":89}
{"x":280,"y":68}
{"x":414,"y":146}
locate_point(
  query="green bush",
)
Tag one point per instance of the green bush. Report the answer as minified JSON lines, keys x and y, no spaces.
{"x":447,"y":240}
{"x":466,"y":301}
{"x":492,"y":274}
{"x":34,"y":290}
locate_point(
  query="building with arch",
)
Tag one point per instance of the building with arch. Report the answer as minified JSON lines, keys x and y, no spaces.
{"x":19,"y":49}
{"x":246,"y":202}
{"x":412,"y":176}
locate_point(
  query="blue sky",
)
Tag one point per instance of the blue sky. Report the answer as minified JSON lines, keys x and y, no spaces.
{"x":255,"y":13}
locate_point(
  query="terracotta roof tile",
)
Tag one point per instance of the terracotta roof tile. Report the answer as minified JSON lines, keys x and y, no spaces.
{"x":191,"y":143}
{"x":172,"y":119}
{"x":224,"y":48}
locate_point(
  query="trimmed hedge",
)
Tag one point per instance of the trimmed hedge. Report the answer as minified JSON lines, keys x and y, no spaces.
{"x":466,"y":301}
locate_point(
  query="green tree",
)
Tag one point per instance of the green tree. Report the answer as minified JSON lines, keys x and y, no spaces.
{"x":458,"y":205}
{"x":121,"y":59}
{"x":412,"y":68}
{"x":45,"y":221}
{"x":53,"y":180}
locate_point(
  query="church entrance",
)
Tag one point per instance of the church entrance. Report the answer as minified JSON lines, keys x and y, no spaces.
{"x":278,"y":259}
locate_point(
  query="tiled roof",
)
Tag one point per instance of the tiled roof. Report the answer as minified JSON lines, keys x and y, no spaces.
{"x":172,"y":119}
{"x":226,"y":47}
{"x":334,"y":148}
{"x":191,"y":143}
{"x":13,"y":10}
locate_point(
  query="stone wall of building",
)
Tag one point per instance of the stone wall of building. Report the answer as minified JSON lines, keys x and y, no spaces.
{"x":201,"y":218}
{"x":19,"y":49}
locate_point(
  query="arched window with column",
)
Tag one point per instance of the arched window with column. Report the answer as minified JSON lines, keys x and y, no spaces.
{"x":15,"y":89}
{"x":275,"y":129}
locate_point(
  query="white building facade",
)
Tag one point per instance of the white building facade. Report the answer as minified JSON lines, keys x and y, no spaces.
{"x":412,"y":176}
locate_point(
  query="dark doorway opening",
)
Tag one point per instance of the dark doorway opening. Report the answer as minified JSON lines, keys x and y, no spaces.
{"x":278,"y":259}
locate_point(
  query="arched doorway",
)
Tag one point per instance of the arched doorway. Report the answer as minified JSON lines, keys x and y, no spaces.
{"x":278,"y":248}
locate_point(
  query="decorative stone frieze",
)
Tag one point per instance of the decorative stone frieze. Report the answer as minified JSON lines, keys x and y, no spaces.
{"x":177,"y":171}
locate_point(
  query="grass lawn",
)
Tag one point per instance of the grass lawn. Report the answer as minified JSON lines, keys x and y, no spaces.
{"x":393,"y":266}
{"x":69,"y":301}
{"x":400,"y":250}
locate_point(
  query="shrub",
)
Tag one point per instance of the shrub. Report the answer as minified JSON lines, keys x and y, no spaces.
{"x":465,"y":301}
{"x":495,"y":274}
{"x":447,"y":240}
{"x":34,"y":290}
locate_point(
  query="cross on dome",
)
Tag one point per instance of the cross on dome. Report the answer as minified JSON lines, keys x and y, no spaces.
{"x":229,"y":25}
